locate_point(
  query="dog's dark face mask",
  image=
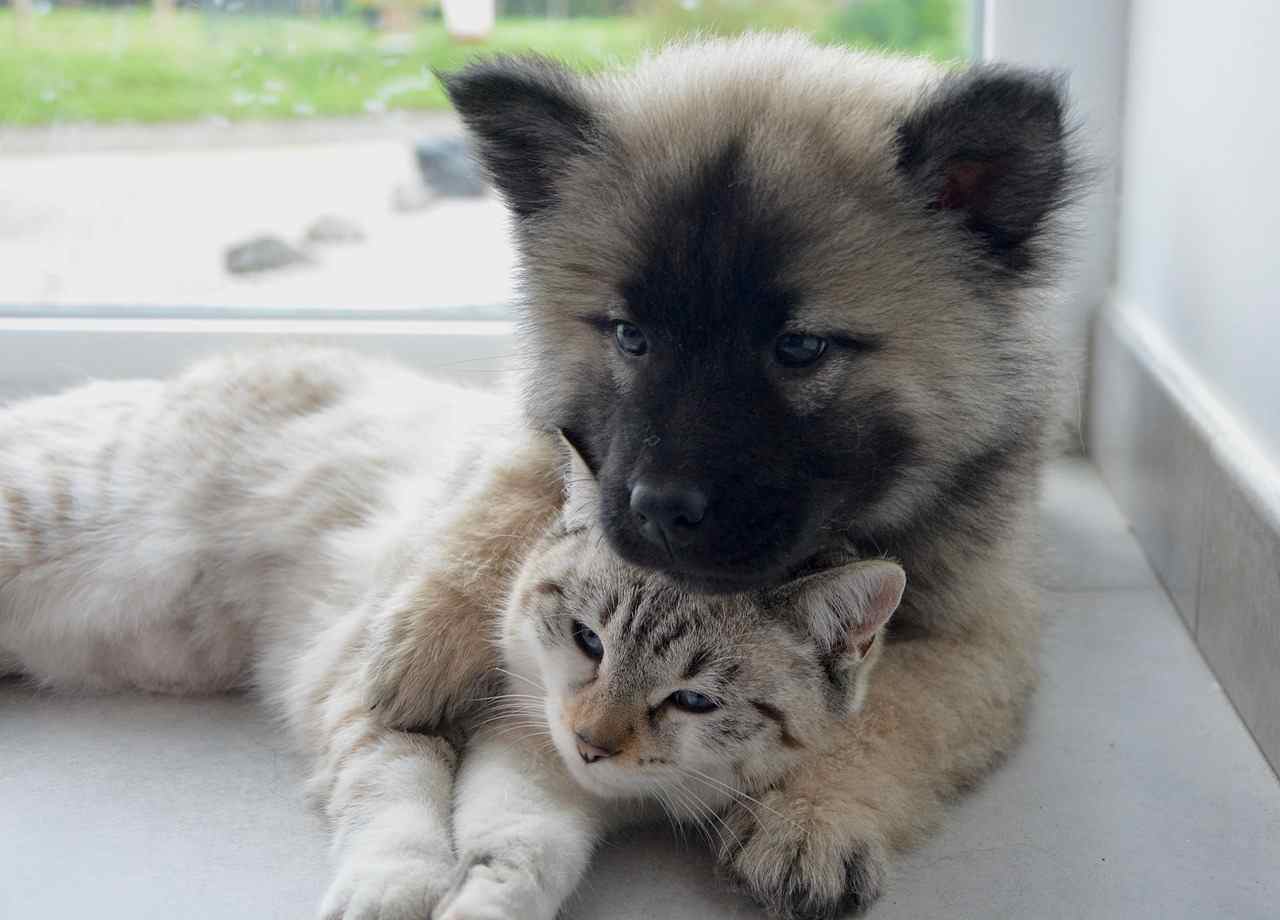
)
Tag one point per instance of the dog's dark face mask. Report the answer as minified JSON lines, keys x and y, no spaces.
{"x":689,"y":414}
{"x":671,"y":332}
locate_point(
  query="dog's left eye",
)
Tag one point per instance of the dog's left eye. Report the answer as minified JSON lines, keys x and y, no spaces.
{"x":630,"y":339}
{"x":692,"y":701}
{"x":794,"y":349}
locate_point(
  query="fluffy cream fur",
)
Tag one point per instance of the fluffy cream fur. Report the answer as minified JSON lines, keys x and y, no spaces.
{"x":329,"y":531}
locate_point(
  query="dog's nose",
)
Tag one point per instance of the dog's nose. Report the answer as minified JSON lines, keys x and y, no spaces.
{"x":666,"y":513}
{"x":589,"y":750}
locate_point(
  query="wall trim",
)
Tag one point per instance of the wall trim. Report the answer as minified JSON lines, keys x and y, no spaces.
{"x":1202,"y":497}
{"x":1233,"y":446}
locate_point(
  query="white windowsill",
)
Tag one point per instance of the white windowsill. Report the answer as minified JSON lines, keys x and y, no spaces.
{"x":40,"y":354}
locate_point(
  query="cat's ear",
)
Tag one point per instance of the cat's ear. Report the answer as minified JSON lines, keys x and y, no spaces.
{"x":581,"y":489}
{"x":529,"y":116}
{"x":845,"y":607}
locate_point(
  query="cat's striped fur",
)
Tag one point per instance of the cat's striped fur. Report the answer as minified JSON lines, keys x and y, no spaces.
{"x":326,"y":530}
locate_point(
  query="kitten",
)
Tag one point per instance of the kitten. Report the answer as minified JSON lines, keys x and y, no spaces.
{"x":627,"y":691}
{"x":310,"y":524}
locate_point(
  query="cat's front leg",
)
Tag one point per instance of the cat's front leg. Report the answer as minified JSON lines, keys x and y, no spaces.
{"x":941,"y":711}
{"x":389,"y":802}
{"x":524,"y":833}
{"x":387,"y":794}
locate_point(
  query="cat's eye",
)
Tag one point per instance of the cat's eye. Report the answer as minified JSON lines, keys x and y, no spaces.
{"x":592,"y":646}
{"x":794,"y":349}
{"x":692,"y":701}
{"x":630,"y":339}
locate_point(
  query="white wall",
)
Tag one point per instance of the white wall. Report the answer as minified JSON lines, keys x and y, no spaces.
{"x":1199,"y":254}
{"x":1086,"y":39}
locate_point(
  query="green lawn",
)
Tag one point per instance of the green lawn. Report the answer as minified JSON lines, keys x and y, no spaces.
{"x":112,"y":66}
{"x":102,"y":65}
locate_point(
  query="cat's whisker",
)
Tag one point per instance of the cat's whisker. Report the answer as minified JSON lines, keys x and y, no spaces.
{"x":689,"y":809}
{"x":532,"y":728}
{"x":721,"y":786}
{"x":515,"y":676}
{"x":509,"y":696}
{"x":693,"y":815}
{"x":519,"y":726}
{"x":508,"y":713}
{"x":524,"y":738}
{"x":676,"y":814}
{"x":745,"y":799}
{"x":515,"y":707}
{"x":529,"y":717}
{"x":705,"y":817}
{"x":661,"y":798}
{"x":499,"y":727}
{"x":718,"y":817}
{"x":678,"y":811}
{"x":532,"y":702}
{"x":526,"y":723}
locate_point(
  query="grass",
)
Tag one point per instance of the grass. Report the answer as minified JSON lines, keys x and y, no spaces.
{"x":81,"y":65}
{"x":121,"y":65}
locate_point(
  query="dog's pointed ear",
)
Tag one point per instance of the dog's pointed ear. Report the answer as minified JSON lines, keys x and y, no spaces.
{"x":991,"y":144}
{"x":529,"y":116}
{"x":844,"y":608}
{"x":581,"y":489}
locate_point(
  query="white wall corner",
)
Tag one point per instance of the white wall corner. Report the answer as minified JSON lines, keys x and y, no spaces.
{"x":1088,"y":41}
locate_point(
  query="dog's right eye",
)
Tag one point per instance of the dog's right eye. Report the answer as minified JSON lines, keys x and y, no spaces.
{"x":798,"y":350}
{"x":630,"y":339}
{"x":591,"y":645}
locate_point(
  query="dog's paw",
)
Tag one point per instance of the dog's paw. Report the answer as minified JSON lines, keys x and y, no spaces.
{"x":431,"y":676}
{"x":803,"y":862}
{"x":393,"y":888}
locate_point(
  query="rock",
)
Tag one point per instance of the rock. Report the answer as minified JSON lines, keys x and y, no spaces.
{"x":412,"y":196}
{"x":446,"y":167}
{"x":261,"y":254}
{"x":334,"y":229}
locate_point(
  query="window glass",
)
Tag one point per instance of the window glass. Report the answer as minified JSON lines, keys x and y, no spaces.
{"x":298,"y":155}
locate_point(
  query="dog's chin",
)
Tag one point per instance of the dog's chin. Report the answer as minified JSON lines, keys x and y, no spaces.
{"x":690,"y":573}
{"x":703,"y":583}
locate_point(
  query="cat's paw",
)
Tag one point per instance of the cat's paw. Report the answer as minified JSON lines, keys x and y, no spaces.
{"x":802,"y":861}
{"x":394,"y":888}
{"x":475,"y":906}
{"x":488,"y":890}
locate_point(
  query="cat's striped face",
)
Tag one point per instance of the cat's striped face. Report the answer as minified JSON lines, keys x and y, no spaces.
{"x":647,"y":687}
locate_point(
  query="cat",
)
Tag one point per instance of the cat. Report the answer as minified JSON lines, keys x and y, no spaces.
{"x":626,"y":691}
{"x":281,"y":520}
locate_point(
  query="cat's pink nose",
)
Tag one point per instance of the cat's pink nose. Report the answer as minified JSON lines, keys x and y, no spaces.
{"x":589,"y":750}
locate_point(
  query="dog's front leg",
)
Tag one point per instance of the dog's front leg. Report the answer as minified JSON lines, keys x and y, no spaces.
{"x":943,"y":709}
